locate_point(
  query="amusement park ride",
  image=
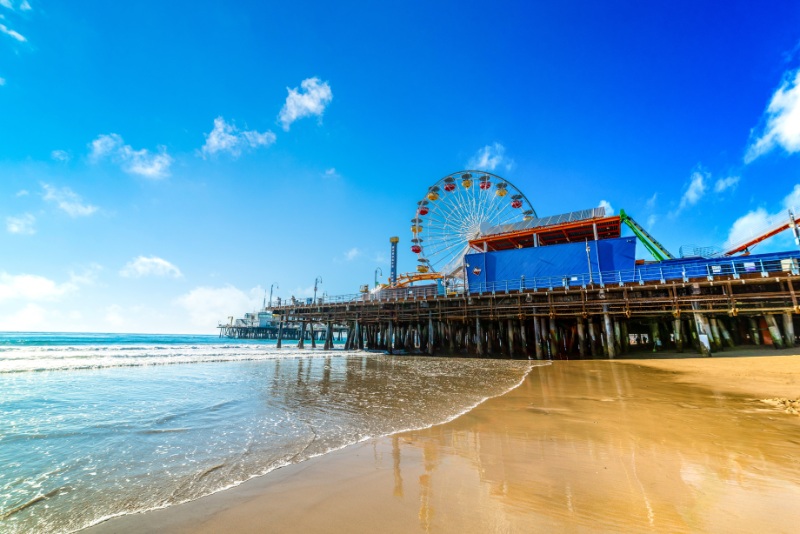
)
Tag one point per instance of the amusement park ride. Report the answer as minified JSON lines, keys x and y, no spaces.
{"x":477,"y":211}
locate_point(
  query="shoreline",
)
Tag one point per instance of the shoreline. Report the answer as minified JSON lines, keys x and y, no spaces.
{"x":574,"y":446}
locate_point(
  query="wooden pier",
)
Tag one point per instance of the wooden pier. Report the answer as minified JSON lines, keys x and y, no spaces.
{"x":705,"y":315}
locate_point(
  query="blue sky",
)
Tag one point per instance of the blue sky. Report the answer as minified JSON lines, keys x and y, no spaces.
{"x":162,"y":164}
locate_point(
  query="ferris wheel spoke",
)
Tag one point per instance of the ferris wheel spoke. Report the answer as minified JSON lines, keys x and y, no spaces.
{"x":458,"y":216}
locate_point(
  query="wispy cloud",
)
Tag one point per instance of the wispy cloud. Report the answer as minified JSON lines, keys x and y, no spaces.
{"x":352,"y":254}
{"x":23,"y":6}
{"x":11,"y":33}
{"x":21,"y":225}
{"x":208,"y":305}
{"x":312,"y":99}
{"x":695,"y":190}
{"x":140,"y":162}
{"x":651,"y":202}
{"x":330,"y":173}
{"x":67,"y":201}
{"x":152,"y":266}
{"x":31,"y":287}
{"x":2,"y":82}
{"x":756,"y":221}
{"x":723,"y":184}
{"x":607,"y":205}
{"x":781,"y":121}
{"x":490,"y":158}
{"x":60,"y":155}
{"x":227,"y":138}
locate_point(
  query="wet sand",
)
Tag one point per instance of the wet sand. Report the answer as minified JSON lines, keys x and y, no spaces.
{"x":635,"y":445}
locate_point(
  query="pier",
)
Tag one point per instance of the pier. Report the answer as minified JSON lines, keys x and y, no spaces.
{"x":705,"y":315}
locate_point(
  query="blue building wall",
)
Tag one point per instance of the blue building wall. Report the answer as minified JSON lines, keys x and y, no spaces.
{"x":555,"y":261}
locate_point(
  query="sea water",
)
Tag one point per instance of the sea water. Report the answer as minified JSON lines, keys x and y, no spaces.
{"x":98,"y":425}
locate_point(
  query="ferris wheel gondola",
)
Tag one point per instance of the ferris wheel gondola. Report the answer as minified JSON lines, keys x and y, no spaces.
{"x":458,"y":208}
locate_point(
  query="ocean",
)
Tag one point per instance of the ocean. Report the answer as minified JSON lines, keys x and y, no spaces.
{"x":94,"y":426}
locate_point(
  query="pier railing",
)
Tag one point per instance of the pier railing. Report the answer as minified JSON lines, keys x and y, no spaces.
{"x":662,"y":272}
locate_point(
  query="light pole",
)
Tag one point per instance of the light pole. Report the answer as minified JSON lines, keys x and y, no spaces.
{"x":377,"y":270}
{"x":317,"y":280}
{"x":270,"y":293}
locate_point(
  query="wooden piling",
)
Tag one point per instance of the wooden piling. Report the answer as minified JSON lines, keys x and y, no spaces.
{"x":581,"y":338}
{"x":774,"y":331}
{"x":609,"y":333}
{"x":788,"y":329}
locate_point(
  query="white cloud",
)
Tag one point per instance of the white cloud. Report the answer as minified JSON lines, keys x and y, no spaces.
{"x":30,"y":317}
{"x":352,"y":254}
{"x":607,"y":205}
{"x":206,"y":306}
{"x":141,"y":162}
{"x":60,"y":155}
{"x":651,"y":202}
{"x":21,"y":225}
{"x":723,"y":184}
{"x":490,"y":158}
{"x":11,"y":33}
{"x":32,"y":287}
{"x":330,"y":173}
{"x":310,"y":100}
{"x":781,"y":120}
{"x":23,"y":6}
{"x":759,"y":220}
{"x":114,"y":316}
{"x":227,"y":138}
{"x":2,"y":81}
{"x":695,"y":190}
{"x":152,"y":266}
{"x":68,"y":201}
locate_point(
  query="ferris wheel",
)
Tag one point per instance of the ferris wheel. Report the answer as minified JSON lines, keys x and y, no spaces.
{"x":458,"y":208}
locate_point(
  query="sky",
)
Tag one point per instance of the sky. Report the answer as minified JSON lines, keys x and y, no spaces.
{"x":163,"y":165}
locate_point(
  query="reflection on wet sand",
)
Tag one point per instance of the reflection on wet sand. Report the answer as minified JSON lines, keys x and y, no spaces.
{"x":617,"y":447}
{"x":587,"y":446}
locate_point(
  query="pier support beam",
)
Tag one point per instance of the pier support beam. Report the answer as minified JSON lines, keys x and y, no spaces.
{"x":479,"y":337}
{"x":593,"y":338}
{"x":788,"y":329}
{"x":537,"y":337}
{"x":676,"y":332}
{"x":609,"y":333}
{"x":430,"y":334}
{"x":774,"y":331}
{"x":280,"y":333}
{"x":755,"y":332}
{"x":581,"y":338}
{"x":724,"y":333}
{"x":510,"y":334}
{"x":702,"y":327}
{"x":524,"y":338}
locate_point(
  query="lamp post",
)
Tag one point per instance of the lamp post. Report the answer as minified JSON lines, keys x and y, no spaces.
{"x":270,"y":292}
{"x":377,"y":270}
{"x":317,"y":281}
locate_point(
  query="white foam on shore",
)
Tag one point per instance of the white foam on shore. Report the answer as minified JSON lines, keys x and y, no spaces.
{"x":72,"y":358}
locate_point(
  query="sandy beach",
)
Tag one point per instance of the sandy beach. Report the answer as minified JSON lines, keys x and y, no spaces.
{"x":667,"y":444}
